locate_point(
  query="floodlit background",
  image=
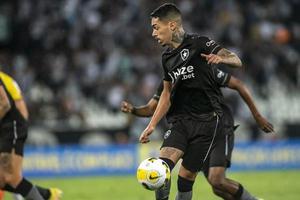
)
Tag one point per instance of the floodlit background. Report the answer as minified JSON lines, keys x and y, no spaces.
{"x":76,"y":60}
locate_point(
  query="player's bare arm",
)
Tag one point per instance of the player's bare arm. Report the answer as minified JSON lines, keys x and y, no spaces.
{"x":244,"y":92}
{"x":141,"y":111}
{"x":223,"y":56}
{"x":161,"y":110}
{"x":4,"y":102}
{"x":21,"y":106}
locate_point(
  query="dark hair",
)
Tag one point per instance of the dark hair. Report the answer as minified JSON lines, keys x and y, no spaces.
{"x":167,"y":11}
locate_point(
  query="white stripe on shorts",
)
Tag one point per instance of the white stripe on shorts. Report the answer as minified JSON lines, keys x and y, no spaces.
{"x":15,"y":132}
{"x":226,"y":145}
{"x":212,"y":141}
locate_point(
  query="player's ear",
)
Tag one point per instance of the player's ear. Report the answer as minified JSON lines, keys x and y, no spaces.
{"x":172,"y":25}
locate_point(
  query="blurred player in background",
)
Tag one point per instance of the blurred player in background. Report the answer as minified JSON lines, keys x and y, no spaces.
{"x":13,"y":133}
{"x":192,"y":99}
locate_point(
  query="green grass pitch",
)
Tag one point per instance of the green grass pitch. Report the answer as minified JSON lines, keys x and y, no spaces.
{"x":271,"y":185}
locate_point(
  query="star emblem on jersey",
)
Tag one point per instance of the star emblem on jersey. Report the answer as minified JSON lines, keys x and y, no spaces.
{"x":167,"y":134}
{"x":184,"y":54}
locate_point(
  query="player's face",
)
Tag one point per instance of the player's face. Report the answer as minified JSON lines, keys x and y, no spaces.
{"x":161,"y":31}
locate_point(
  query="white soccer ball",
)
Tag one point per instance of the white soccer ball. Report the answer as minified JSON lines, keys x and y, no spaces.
{"x":153,"y":173}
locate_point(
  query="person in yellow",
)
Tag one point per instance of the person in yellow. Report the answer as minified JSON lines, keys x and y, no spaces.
{"x":13,"y":134}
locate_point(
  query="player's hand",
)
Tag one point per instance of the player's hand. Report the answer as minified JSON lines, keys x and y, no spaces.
{"x":264,"y":125}
{"x":212,"y":58}
{"x":126,"y":107}
{"x":144,"y":138}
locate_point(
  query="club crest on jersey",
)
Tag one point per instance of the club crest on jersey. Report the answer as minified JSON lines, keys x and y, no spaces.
{"x":167,"y":134}
{"x":184,"y":54}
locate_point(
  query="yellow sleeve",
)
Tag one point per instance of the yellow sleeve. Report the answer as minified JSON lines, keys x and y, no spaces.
{"x":15,"y":91}
{"x":11,"y":86}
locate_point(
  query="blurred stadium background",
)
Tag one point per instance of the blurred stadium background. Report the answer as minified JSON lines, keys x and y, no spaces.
{"x":76,"y":60}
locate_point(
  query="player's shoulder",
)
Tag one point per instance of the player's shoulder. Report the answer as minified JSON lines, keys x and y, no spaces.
{"x":5,"y":76}
{"x":197,"y":37}
{"x":200,"y":40}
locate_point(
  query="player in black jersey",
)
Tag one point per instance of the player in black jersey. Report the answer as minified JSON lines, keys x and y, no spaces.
{"x":192,"y":101}
{"x":221,"y":155}
{"x":13,"y":133}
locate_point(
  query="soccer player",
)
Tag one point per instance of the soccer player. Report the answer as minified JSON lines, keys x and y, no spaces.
{"x":192,"y":101}
{"x":13,"y":133}
{"x":148,"y":110}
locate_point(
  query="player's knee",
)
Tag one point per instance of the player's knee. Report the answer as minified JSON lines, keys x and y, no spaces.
{"x":2,"y":181}
{"x":5,"y":162}
{"x":187,"y":174}
{"x":216,"y":191}
{"x":217,"y":182}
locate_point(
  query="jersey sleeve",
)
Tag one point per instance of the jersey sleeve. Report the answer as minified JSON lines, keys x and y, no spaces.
{"x":220,"y":77}
{"x":208,"y":46}
{"x":158,"y":91}
{"x":11,"y":86}
{"x":15,"y":91}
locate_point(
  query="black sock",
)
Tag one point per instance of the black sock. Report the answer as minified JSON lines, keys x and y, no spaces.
{"x":9,"y":188}
{"x":170,"y":163}
{"x":239,"y":192}
{"x":184,"y":185}
{"x":24,"y":187}
{"x":43,"y":191}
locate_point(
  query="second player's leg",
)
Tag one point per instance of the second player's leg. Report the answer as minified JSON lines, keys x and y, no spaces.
{"x":222,"y":186}
{"x":226,"y":188}
{"x":185,"y":182}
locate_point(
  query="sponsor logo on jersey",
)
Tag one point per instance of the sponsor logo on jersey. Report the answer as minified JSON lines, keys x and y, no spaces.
{"x":220,"y":74}
{"x":210,"y":43}
{"x":184,"y":54}
{"x":185,"y":72}
{"x":167,"y":134}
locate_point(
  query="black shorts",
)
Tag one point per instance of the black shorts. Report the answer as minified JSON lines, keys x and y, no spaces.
{"x":195,"y":138}
{"x":13,"y":136}
{"x":220,"y":155}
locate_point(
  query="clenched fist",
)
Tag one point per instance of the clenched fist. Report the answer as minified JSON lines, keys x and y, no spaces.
{"x":126,"y":107}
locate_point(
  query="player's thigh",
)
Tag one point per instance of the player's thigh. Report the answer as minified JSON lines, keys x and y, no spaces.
{"x":176,"y":136}
{"x":220,"y":155}
{"x":216,"y":175}
{"x":17,"y":161}
{"x":171,"y":153}
{"x":200,"y":145}
{"x":6,"y":162}
{"x":175,"y":141}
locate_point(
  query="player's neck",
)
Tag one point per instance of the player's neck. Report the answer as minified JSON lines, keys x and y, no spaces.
{"x":177,"y":38}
